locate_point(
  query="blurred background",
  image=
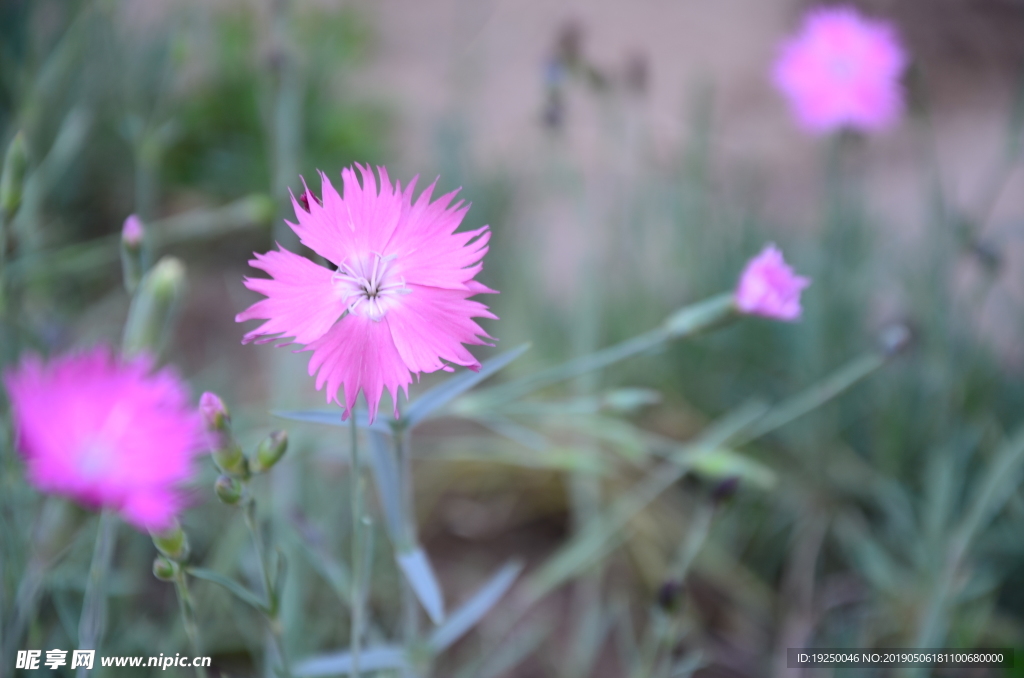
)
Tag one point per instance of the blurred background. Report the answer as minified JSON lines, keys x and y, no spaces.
{"x":629,"y":158}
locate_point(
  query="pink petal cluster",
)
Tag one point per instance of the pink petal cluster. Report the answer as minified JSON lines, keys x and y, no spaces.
{"x":107,"y":432}
{"x":842,"y":70}
{"x":768,"y":287}
{"x":398,"y":302}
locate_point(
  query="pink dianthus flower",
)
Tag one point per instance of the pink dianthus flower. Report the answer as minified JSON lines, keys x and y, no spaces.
{"x":768,"y":287}
{"x":398,"y":302}
{"x":842,"y":70}
{"x":107,"y":432}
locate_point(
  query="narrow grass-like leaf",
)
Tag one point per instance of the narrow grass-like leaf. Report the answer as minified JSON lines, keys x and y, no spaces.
{"x":439,"y":396}
{"x":602,"y":533}
{"x":420,"y":574}
{"x":333,"y":572}
{"x":411,"y":558}
{"x":239,"y":591}
{"x":381,"y":658}
{"x":515,"y":432}
{"x":384,"y":468}
{"x":332,"y":418}
{"x":510,"y":652}
{"x":470,"y":613}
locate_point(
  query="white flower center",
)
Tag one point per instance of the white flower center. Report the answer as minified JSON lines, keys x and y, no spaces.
{"x":368,"y":286}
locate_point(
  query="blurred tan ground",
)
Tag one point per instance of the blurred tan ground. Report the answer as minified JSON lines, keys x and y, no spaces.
{"x":481,"y":63}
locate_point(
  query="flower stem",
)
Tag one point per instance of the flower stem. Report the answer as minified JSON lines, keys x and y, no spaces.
{"x":356,"y":494}
{"x":410,"y":608}
{"x":94,"y":606}
{"x":188,"y":618}
{"x":272,"y":595}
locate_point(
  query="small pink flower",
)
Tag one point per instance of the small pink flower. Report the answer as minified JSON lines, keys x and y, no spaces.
{"x":107,"y":432}
{"x":398,"y":303}
{"x":842,"y":70}
{"x":769,"y":287}
{"x":133,"y":231}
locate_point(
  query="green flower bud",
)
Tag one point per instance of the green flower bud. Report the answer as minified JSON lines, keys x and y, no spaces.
{"x":164,"y":569}
{"x":270,"y":451}
{"x":173,"y":543}
{"x":154,"y":307}
{"x":227,"y":455}
{"x":12,"y":178}
{"x":628,"y":400}
{"x":132,"y":238}
{"x":228,"y":489}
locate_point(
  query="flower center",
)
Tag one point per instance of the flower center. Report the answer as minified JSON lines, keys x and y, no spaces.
{"x":843,"y":67}
{"x":368,"y":286}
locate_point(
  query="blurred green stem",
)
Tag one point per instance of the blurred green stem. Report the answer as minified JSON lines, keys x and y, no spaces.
{"x":817,"y":395}
{"x":663,"y":634}
{"x":93,"y":622}
{"x":356,"y":494}
{"x":188,"y":617}
{"x":685,"y":322}
{"x":410,"y":607}
{"x":272,"y":595}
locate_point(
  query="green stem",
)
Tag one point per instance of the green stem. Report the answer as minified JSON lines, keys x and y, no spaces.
{"x":272,"y":596}
{"x":94,"y":606}
{"x":188,"y":617}
{"x":410,"y":608}
{"x":356,"y":494}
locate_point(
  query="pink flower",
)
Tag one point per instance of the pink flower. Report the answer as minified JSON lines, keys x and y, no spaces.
{"x":399,"y":301}
{"x":108,"y":432}
{"x":133,"y":231}
{"x":842,"y":70}
{"x":769,"y":287}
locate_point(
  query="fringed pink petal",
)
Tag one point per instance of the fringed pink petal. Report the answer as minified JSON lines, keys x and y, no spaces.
{"x":359,"y":353}
{"x":301,"y":300}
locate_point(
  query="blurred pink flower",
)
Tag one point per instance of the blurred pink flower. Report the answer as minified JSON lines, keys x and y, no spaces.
{"x":842,"y":70}
{"x":107,"y":432}
{"x":133,"y":231}
{"x":398,"y":302}
{"x":769,"y":287}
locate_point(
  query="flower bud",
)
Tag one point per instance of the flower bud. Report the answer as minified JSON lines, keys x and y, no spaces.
{"x":154,"y":307}
{"x":215,"y":412}
{"x":12,"y":178}
{"x":270,"y":451}
{"x":671,"y":595}
{"x":228,"y":489}
{"x":894,"y":339}
{"x":725,"y":490}
{"x":172,"y":543}
{"x":164,"y":569}
{"x":132,"y":236}
{"x":627,"y":400}
{"x":227,"y":454}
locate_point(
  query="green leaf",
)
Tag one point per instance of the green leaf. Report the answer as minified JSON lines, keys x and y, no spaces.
{"x":469,"y":614}
{"x":332,"y":418}
{"x":439,"y":396}
{"x":420,"y":574}
{"x":380,"y":658}
{"x":603,"y":532}
{"x":411,"y":558}
{"x":239,"y":591}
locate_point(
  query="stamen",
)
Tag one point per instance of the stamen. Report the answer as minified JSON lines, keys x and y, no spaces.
{"x":370,"y":295}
